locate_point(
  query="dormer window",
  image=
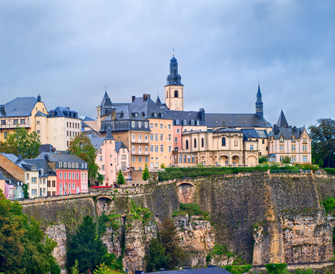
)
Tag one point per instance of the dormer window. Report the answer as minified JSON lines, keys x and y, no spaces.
{"x":198,"y":122}
{"x":281,"y":139}
{"x":60,"y":164}
{"x":184,"y":122}
{"x":133,"y":124}
{"x":192,"y":122}
{"x":177,"y":122}
{"x":293,"y":139}
{"x":155,"y":114}
{"x":65,"y":164}
{"x":146,"y":124}
{"x":139,"y":124}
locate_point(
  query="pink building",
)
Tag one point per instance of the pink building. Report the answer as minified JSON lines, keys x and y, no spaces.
{"x":71,"y":172}
{"x":111,"y":157}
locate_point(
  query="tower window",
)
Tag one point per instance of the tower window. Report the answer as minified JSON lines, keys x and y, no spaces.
{"x":176,"y":93}
{"x":186,"y":144}
{"x":223,"y":141}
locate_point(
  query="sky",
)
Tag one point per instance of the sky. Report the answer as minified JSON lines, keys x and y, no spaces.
{"x":69,"y":52}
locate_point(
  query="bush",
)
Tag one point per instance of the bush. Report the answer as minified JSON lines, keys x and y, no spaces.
{"x":329,"y":205}
{"x":330,"y":171}
{"x":120,"y":178}
{"x":262,"y":159}
{"x":238,"y":269}
{"x":145,"y":174}
{"x":304,"y":271}
{"x":191,"y":209}
{"x":286,"y":160}
{"x":277,"y":268}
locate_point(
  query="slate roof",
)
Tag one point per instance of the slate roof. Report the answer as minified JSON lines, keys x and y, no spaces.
{"x":207,"y":270}
{"x":106,"y":101}
{"x":235,"y":120}
{"x":282,"y":122}
{"x":40,"y":164}
{"x":185,"y":115}
{"x":20,"y":106}
{"x":39,"y":113}
{"x":96,"y":141}
{"x":147,"y":108}
{"x":2,"y":177}
{"x":46,"y":148}
{"x":14,"y":159}
{"x":287,"y":133}
{"x":119,"y":145}
{"x":254,"y":133}
{"x":61,"y":157}
{"x":63,"y":112}
{"x":227,"y":130}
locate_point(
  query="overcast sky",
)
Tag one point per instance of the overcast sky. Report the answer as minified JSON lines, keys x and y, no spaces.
{"x":68,"y":51}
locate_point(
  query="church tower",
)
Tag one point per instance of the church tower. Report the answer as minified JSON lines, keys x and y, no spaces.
{"x":259,"y":103}
{"x":174,"y":93}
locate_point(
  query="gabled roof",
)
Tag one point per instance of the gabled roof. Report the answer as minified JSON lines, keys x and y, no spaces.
{"x":282,"y":122}
{"x":61,"y":157}
{"x":109,"y":135}
{"x":40,"y":164}
{"x":288,"y":132}
{"x":39,"y":113}
{"x":227,"y":130}
{"x":147,"y":108}
{"x":63,"y":112}
{"x":235,"y":120}
{"x":20,"y":106}
{"x":46,"y":148}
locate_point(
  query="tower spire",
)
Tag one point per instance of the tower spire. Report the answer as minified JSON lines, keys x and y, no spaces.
{"x":259,"y":103}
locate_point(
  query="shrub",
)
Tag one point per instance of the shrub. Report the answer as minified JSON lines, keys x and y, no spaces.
{"x":329,"y":205}
{"x":238,"y":269}
{"x":277,"y":268}
{"x":304,"y":271}
{"x":286,"y":160}
{"x":262,"y":159}
{"x":120,"y":178}
{"x":145,"y":174}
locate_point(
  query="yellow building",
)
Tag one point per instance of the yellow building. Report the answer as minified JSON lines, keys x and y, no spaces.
{"x":20,"y":112}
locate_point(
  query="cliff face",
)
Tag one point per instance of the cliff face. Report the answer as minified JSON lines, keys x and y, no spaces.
{"x":260,"y":218}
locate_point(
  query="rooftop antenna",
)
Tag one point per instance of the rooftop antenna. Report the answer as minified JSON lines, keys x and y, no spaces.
{"x":173,"y":51}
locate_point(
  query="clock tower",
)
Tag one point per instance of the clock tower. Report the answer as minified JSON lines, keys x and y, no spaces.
{"x":174,"y":93}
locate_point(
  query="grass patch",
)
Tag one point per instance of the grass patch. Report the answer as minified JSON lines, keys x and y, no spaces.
{"x":191,"y":209}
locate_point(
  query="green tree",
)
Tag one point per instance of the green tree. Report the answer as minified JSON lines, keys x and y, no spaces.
{"x":262,"y":159}
{"x":169,"y":239}
{"x":23,"y":246}
{"x":145,"y":175}
{"x":22,"y":142}
{"x":286,"y":160}
{"x":323,"y":142}
{"x":277,"y":268}
{"x":120,"y":178}
{"x":83,"y":148}
{"x":104,"y":269}
{"x":86,"y":246}
{"x":155,"y":256}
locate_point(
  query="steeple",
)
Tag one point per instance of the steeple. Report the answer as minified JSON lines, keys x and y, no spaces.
{"x":174,"y":78}
{"x":282,"y":122}
{"x":106,"y":101}
{"x":259,"y":103}
{"x":109,"y":135}
{"x":158,"y":100}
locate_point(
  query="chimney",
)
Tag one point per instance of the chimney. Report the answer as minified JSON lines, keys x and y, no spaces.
{"x":132,"y":98}
{"x":145,"y":96}
{"x":39,"y":98}
{"x":2,"y":109}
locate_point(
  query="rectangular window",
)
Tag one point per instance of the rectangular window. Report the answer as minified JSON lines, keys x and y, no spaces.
{"x":60,"y":175}
{"x":133,"y":159}
{"x":60,"y":186}
{"x":48,"y":183}
{"x":161,"y":137}
{"x":133,"y":149}
{"x":169,"y":126}
{"x":64,"y":175}
{"x":73,"y":186}
{"x":304,"y":147}
{"x":16,"y":121}
{"x":156,"y":137}
{"x":156,"y":125}
{"x":103,"y":167}
{"x":146,"y":149}
{"x":69,"y":186}
{"x":180,"y":158}
{"x":251,"y":147}
{"x":304,"y":158}
{"x":281,"y":147}
{"x":100,"y":158}
{"x":169,"y":137}
{"x":151,"y":125}
{"x":140,"y":137}
{"x":293,"y":147}
{"x":140,"y":159}
{"x":146,"y":137}
{"x":5,"y":135}
{"x":22,"y":122}
{"x":33,"y":192}
{"x":33,"y":179}
{"x":162,"y":148}
{"x":151,"y":148}
{"x":53,"y":183}
{"x":3,"y":122}
{"x":161,"y":126}
{"x":69,"y":175}
{"x":133,"y":137}
{"x":151,"y":137}
{"x":146,"y":159}
{"x":169,"y":148}
{"x":156,"y":148}
{"x":77,"y":176}
{"x":178,"y":130}
{"x":176,"y":140}
{"x":140,"y":149}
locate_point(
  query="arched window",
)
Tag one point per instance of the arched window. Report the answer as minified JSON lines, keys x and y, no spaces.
{"x":202,"y":142}
{"x":176,"y":93}
{"x":223,"y":141}
{"x":195,"y":143}
{"x":186,"y":144}
{"x":177,"y":122}
{"x":184,"y":123}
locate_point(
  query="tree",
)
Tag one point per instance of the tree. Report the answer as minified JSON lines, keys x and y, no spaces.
{"x":83,"y":148}
{"x":169,"y":239}
{"x":323,"y":142}
{"x":23,"y":246}
{"x":286,"y":160}
{"x":22,"y":142}
{"x":86,"y":247}
{"x":146,"y":175}
{"x":155,"y":256}
{"x":120,"y":178}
